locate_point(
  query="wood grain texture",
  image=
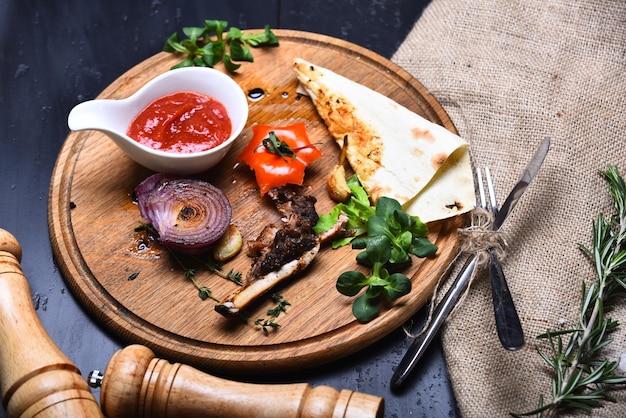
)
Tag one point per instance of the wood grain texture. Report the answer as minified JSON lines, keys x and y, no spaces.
{"x":36,"y":377}
{"x":92,"y":219}
{"x":139,"y":385}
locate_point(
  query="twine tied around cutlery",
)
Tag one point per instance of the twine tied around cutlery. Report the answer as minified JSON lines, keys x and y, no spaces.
{"x":477,"y":239}
{"x":509,"y":73}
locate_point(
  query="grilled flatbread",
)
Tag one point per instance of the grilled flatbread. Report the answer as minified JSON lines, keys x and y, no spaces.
{"x":393,"y":151}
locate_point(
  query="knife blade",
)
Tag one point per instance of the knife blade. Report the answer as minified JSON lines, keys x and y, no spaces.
{"x":529,"y":173}
{"x":420,"y":344}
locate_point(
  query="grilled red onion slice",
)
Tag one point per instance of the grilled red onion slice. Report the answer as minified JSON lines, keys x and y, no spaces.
{"x":188,"y":214}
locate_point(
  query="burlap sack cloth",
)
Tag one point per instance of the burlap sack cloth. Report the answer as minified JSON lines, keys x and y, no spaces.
{"x":510,"y":73}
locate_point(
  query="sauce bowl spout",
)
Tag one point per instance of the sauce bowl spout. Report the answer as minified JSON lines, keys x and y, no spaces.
{"x":102,"y":115}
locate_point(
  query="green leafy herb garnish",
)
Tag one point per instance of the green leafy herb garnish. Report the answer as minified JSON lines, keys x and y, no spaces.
{"x":406,"y":233}
{"x":203,"y":291}
{"x":388,"y":237}
{"x":211,"y":44}
{"x":275,"y":146}
{"x":216,"y":267}
{"x":208,"y":263}
{"x":581,"y":379}
{"x":380,"y":284}
{"x":358,"y":209}
{"x":266,"y":324}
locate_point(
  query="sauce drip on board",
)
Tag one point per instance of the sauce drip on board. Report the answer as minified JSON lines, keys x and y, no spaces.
{"x":182,"y":122}
{"x":256,"y":93}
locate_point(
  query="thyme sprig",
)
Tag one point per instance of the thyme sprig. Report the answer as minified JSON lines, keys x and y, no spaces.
{"x":581,"y":380}
{"x":204,"y":292}
{"x":216,"y":267}
{"x":267,"y":324}
{"x":209,"y":263}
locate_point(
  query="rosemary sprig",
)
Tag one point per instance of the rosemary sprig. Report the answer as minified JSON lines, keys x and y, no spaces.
{"x":581,"y":380}
{"x":270,"y":323}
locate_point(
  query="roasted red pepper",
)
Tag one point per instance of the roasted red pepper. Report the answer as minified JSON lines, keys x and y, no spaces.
{"x":279,"y":155}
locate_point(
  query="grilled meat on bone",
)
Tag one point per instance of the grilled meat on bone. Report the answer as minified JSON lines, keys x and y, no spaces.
{"x":280,"y":250}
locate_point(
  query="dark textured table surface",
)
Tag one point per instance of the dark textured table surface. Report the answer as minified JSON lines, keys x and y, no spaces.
{"x":56,"y":54}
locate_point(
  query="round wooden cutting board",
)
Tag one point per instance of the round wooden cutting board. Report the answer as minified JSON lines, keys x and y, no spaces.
{"x":139,"y":292}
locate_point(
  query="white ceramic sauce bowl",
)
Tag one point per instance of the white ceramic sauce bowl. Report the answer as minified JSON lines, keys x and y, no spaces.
{"x":113,"y":117}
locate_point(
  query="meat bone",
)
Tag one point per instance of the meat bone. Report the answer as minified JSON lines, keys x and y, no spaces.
{"x":136,"y":384}
{"x":36,"y":378}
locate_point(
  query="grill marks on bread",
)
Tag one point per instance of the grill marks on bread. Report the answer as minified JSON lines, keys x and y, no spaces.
{"x":394,"y":152}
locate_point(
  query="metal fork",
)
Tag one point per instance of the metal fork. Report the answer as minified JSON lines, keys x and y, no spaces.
{"x":508,"y":324}
{"x":505,"y":310}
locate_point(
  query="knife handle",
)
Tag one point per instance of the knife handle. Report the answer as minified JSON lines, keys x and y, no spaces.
{"x":135,"y":384}
{"x":36,"y":378}
{"x":508,"y":323}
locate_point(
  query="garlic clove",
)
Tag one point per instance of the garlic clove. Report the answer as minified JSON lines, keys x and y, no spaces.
{"x":228,"y":245}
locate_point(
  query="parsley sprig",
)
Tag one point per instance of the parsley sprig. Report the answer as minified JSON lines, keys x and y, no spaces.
{"x":581,"y":379}
{"x":211,"y":44}
{"x":388,"y":237}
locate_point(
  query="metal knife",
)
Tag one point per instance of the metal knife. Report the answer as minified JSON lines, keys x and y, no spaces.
{"x":443,"y":309}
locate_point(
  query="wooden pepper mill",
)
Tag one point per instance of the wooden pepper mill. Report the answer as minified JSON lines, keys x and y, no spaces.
{"x":36,"y":378}
{"x":138,"y":385}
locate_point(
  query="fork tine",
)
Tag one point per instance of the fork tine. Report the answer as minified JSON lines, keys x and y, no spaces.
{"x":492,"y":192}
{"x":481,"y":188}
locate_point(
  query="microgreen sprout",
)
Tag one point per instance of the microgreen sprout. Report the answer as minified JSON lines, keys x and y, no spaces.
{"x":388,"y":237}
{"x":380,"y":284}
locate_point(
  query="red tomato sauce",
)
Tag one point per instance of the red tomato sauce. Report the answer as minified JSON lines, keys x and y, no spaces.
{"x":182,"y":122}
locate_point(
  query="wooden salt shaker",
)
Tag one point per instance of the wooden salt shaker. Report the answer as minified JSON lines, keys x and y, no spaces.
{"x":138,"y":385}
{"x":36,"y":378}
